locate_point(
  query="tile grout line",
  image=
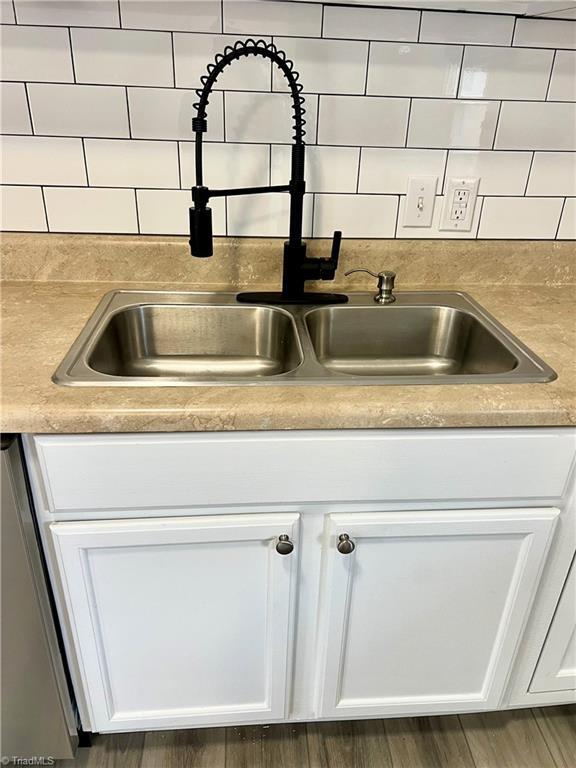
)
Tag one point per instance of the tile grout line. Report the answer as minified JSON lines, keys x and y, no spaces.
{"x":221,"y":142}
{"x":322,"y":20}
{"x":45,"y":208}
{"x":119,"y":16}
{"x":528,"y":176}
{"x":173,"y":59}
{"x":367,"y":68}
{"x":330,"y":194}
{"x":27,"y":95}
{"x":72,"y":55}
{"x":459,"y":83}
{"x":551,"y":74}
{"x":137,"y":212}
{"x":128,"y":113}
{"x":263,"y":92}
{"x":419,"y":27}
{"x":409,"y":117}
{"x":560,"y":219}
{"x":513,"y":32}
{"x":86,"y":163}
{"x":497,"y":126}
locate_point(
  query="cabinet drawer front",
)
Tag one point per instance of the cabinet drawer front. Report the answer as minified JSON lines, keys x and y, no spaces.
{"x":180,"y":622}
{"x":425,"y":613}
{"x":97,"y":472}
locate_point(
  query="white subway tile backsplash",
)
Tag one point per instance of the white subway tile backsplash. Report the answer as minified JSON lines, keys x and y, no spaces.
{"x":22,"y":210}
{"x":413,"y":69}
{"x":500,"y":173}
{"x":388,"y":170}
{"x":14,"y":117}
{"x":98,"y":107}
{"x":193,"y":53}
{"x":265,"y":216}
{"x":71,"y":13}
{"x":7,"y":12}
{"x":91,"y":210}
{"x":563,"y":82}
{"x":567,"y":229}
{"x":172,"y":15}
{"x":358,"y":120}
{"x":40,"y":160}
{"x":454,"y":124}
{"x":370,"y":23}
{"x":537,"y":125}
{"x":124,"y":163}
{"x":553,"y":173}
{"x":227,"y":165}
{"x":526,"y":218}
{"x":266,"y":117}
{"x":122,"y":57}
{"x":325,"y":66}
{"x":328,"y":169}
{"x":505,"y":73}
{"x":482,"y":29}
{"x":434,"y":232}
{"x":36,"y":53}
{"x":545,"y":33}
{"x":355,"y":215}
{"x":78,"y":110}
{"x":261,"y":17}
{"x":165,"y":212}
{"x":166,"y":113}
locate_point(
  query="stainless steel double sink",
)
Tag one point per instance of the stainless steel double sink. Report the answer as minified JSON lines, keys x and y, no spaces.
{"x":156,"y":339}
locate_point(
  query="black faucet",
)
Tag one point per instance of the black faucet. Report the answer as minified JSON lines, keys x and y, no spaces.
{"x":297,"y":267}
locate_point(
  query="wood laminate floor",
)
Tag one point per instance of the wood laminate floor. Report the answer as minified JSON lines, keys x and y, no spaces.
{"x":529,"y":738}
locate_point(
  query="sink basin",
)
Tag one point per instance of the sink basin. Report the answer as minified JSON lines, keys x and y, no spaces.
{"x":179,"y":341}
{"x":156,"y":338}
{"x":411,"y":341}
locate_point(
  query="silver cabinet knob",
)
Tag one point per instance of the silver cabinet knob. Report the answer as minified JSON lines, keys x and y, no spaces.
{"x":284,"y":546}
{"x":345,"y":544}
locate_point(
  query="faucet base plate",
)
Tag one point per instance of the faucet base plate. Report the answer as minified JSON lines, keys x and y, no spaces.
{"x":275,"y":297}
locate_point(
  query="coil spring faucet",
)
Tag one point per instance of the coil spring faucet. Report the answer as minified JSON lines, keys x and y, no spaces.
{"x":297,"y":267}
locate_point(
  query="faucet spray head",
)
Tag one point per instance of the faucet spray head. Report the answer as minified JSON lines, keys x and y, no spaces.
{"x":200,"y":224}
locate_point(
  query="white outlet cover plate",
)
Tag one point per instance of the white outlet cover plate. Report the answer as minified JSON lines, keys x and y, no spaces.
{"x":420,"y":199}
{"x":459,"y":204}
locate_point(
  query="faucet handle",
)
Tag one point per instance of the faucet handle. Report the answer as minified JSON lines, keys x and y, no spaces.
{"x":329,"y":266}
{"x":385,"y":279}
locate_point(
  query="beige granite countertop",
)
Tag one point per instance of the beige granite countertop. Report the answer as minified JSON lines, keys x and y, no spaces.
{"x":42,"y":316}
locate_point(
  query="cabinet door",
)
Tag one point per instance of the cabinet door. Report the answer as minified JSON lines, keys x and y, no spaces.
{"x":556,"y":669}
{"x":182,"y":621}
{"x":425,"y":614}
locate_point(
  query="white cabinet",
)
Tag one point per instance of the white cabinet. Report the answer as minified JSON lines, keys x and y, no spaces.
{"x":426,"y":613}
{"x":177,"y":610}
{"x":180,"y":621}
{"x":556,"y":668}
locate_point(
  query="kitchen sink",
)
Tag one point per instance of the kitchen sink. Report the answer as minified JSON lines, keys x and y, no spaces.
{"x":196,"y":341}
{"x":413,"y":341}
{"x":157,"y":338}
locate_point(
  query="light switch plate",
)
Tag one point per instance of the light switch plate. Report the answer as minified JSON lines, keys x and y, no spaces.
{"x":420,"y":199}
{"x":459,"y":204}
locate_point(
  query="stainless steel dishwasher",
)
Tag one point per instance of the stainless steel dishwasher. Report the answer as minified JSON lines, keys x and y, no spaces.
{"x":37,"y":716}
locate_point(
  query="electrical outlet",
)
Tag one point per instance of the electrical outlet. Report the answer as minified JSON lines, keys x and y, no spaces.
{"x":459,"y":203}
{"x":420,"y":199}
